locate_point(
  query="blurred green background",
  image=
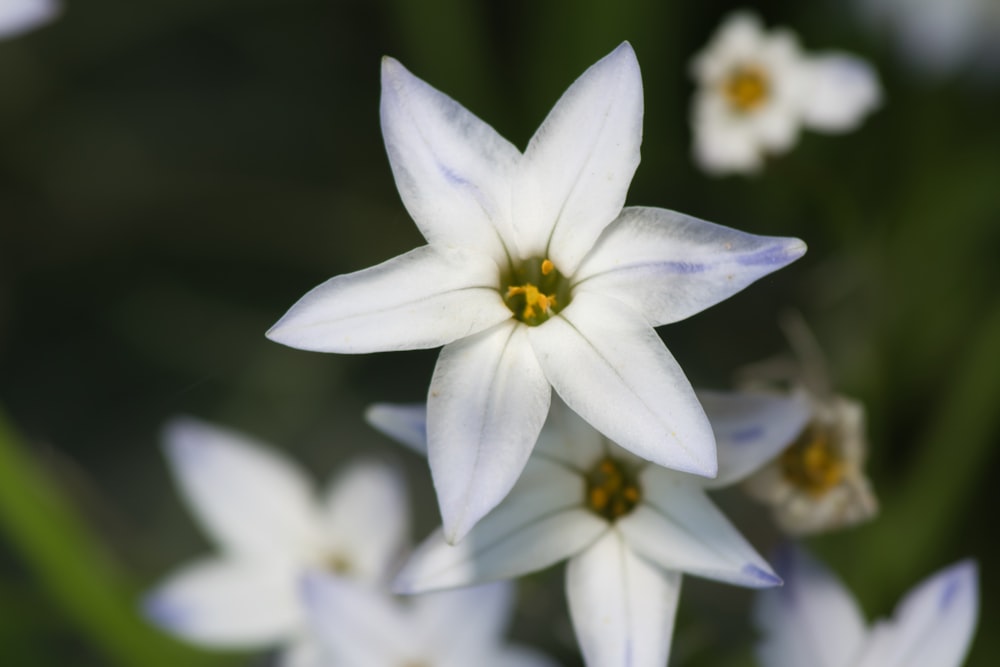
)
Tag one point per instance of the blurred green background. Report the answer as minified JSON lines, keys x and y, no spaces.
{"x":176,"y":173}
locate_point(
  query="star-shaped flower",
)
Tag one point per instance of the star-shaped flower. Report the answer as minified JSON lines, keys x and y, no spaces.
{"x":534,"y":277}
{"x":629,"y":528}
{"x":757,"y":89}
{"x":271,"y":529}
{"x":813,"y":620}
{"x":357,"y":626}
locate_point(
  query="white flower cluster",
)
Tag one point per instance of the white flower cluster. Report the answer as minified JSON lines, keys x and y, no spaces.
{"x":557,"y":425}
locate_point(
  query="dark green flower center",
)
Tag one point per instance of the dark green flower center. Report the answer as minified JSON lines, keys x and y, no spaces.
{"x":612,"y":489}
{"x":535,"y":291}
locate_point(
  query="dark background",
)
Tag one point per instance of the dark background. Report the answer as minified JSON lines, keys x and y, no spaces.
{"x":174,"y":174}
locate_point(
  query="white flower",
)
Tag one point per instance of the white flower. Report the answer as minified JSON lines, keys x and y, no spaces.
{"x":270,"y":529}
{"x":757,"y":89}
{"x":357,"y":626}
{"x":813,"y":620}
{"x":534,"y":277}
{"x":818,"y":482}
{"x":17,"y":16}
{"x":628,"y":528}
{"x":941,"y":37}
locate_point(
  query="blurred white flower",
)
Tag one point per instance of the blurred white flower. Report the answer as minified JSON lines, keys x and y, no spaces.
{"x":817,"y":483}
{"x":270,"y":528}
{"x":357,"y":626}
{"x":756,"y":89}
{"x":17,"y":16}
{"x":941,"y":37}
{"x":534,"y":277}
{"x":628,"y":528}
{"x":814,"y":620}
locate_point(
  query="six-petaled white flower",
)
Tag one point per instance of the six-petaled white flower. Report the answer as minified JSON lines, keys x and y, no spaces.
{"x":814,"y":620}
{"x":357,"y":626}
{"x":18,"y":16}
{"x":270,"y":528}
{"x":534,"y":277}
{"x":629,"y":528}
{"x":757,"y":89}
{"x":818,"y":482}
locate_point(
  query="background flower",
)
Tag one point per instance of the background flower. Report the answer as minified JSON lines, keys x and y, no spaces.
{"x":270,"y":530}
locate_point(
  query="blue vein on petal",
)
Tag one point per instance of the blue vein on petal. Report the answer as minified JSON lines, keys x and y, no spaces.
{"x":748,"y":434}
{"x":951,"y":589}
{"x":771,"y":255}
{"x":159,"y":610}
{"x":761,"y":575}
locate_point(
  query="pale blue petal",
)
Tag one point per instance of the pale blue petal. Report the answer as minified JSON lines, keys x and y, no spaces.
{"x":811,"y":620}
{"x":607,"y":363}
{"x":843,"y":89}
{"x":453,"y":171}
{"x":669,"y":266}
{"x":17,"y":16}
{"x":932,"y":626}
{"x":578,"y":166}
{"x":488,"y":400}
{"x":677,"y":527}
{"x":751,"y":429}
{"x":421,"y":299}
{"x":622,"y":607}
{"x":406,"y":424}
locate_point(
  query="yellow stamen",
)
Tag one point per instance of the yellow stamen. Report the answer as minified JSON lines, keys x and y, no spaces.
{"x":812,"y":463}
{"x":746,"y":88}
{"x":547,"y":267}
{"x":532,"y":298}
{"x":612,"y":490}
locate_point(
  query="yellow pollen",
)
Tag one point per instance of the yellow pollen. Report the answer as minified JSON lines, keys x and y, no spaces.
{"x":547,"y":267}
{"x":532,"y":298}
{"x":612,"y":490}
{"x":746,"y":88}
{"x":812,"y":462}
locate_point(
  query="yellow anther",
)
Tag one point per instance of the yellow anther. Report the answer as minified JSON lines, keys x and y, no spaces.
{"x":532,"y":298}
{"x":612,"y":490}
{"x":746,"y":88}
{"x":547,"y":267}
{"x":812,"y":462}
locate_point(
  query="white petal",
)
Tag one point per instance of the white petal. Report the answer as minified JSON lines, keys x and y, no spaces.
{"x":250,"y":499}
{"x":227,"y":603}
{"x":420,"y":299}
{"x":842,"y":91}
{"x":17,"y":16}
{"x":569,"y":440}
{"x":722,"y":145}
{"x":367,"y":520}
{"x":932,"y":626}
{"x":578,"y":166}
{"x":811,"y":620}
{"x":452,"y":170}
{"x":406,"y":424}
{"x":482,"y":613}
{"x":304,"y":652}
{"x":610,"y":367}
{"x":669,"y":266}
{"x":541,"y":522}
{"x":356,"y":624}
{"x":488,"y":400}
{"x":751,"y":429}
{"x":622,"y":607}
{"x":677,"y":527}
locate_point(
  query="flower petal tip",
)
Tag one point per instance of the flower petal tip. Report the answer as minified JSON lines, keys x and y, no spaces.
{"x":962,"y":577}
{"x":761,"y":578}
{"x":163,"y":612}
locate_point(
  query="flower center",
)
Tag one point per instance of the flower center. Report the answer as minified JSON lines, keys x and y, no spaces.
{"x":746,"y":88}
{"x":338,"y":564}
{"x":535,"y":291}
{"x":612,"y":490}
{"x":812,"y":463}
